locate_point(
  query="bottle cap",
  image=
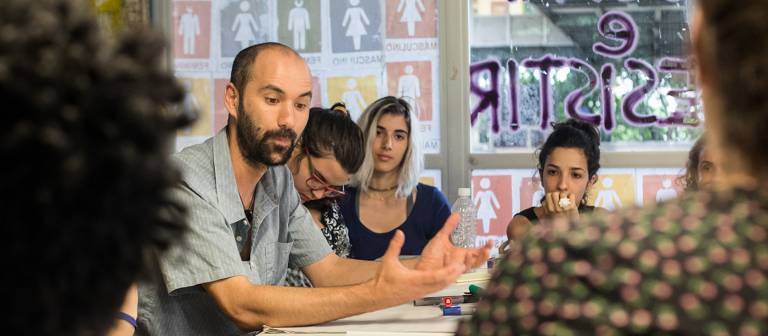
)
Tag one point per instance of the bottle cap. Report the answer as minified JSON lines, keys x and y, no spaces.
{"x":475,"y":289}
{"x":465,"y":192}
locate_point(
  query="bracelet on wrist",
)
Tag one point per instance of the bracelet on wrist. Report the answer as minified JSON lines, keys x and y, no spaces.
{"x":127,"y":318}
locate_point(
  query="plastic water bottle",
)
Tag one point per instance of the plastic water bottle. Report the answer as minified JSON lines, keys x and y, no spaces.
{"x":466,"y":231}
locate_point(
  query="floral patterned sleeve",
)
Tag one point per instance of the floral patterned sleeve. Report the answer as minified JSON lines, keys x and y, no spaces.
{"x":694,"y":266}
{"x":337,"y":236}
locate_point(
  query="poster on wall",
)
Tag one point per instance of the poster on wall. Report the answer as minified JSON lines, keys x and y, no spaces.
{"x":411,"y":19}
{"x":356,"y":92}
{"x":489,"y":193}
{"x":299,"y":25}
{"x":191,"y":29}
{"x":658,"y":185}
{"x":342,"y":41}
{"x":355,"y":26}
{"x":242,"y":23}
{"x":412,"y":81}
{"x":492,"y":193}
{"x":614,"y":189}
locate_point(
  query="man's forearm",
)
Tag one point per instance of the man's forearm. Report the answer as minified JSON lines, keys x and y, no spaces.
{"x":348,"y":272}
{"x":351,"y":271}
{"x":251,"y":307}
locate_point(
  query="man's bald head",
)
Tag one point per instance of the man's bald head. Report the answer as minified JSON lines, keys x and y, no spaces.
{"x":241,"y":68}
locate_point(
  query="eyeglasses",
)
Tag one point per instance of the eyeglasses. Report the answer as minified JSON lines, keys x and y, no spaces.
{"x":318,"y":182}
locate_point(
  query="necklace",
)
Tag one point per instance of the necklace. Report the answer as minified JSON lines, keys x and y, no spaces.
{"x":384,"y":189}
{"x":380,"y":194}
{"x":248,"y":205}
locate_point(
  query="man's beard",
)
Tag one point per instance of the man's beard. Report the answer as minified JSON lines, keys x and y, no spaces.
{"x":257,"y":149}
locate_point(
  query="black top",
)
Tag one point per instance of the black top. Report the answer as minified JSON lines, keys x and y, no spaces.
{"x":531,"y":215}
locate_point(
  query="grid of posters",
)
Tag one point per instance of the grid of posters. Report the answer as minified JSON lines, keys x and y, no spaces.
{"x":501,"y":193}
{"x":358,"y":51}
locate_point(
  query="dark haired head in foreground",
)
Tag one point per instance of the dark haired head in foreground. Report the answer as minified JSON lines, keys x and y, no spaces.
{"x":697,"y":265}
{"x":84,"y":137}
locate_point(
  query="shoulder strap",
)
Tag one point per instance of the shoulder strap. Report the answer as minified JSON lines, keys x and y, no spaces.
{"x":529,"y":214}
{"x":356,"y":202}
{"x":409,"y":204}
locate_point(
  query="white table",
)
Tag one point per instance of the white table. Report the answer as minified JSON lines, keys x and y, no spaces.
{"x":405,"y":319}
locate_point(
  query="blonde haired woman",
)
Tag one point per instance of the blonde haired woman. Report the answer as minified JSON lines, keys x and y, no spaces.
{"x":386,"y":194}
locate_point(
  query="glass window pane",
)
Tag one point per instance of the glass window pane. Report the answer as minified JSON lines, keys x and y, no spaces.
{"x":620,"y":65}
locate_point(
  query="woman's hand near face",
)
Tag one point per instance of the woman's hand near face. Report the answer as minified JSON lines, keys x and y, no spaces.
{"x":552,"y":207}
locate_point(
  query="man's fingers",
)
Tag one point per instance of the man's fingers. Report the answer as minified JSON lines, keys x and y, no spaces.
{"x":488,"y":246}
{"x":444,"y":276}
{"x":476,"y":257}
{"x":449,"y":225}
{"x":395,"y":244}
{"x":485,"y":252}
{"x":470,"y":259}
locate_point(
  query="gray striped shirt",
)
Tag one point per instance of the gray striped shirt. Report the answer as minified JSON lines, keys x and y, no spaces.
{"x":283,"y":235}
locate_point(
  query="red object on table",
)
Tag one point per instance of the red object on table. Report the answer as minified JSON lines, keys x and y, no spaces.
{"x":447,"y":301}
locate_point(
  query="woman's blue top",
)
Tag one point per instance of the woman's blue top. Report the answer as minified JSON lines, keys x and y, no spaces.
{"x":425,"y":218}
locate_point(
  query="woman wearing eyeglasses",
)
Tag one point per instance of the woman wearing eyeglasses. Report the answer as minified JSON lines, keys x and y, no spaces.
{"x":386,"y":195}
{"x":330,"y":150}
